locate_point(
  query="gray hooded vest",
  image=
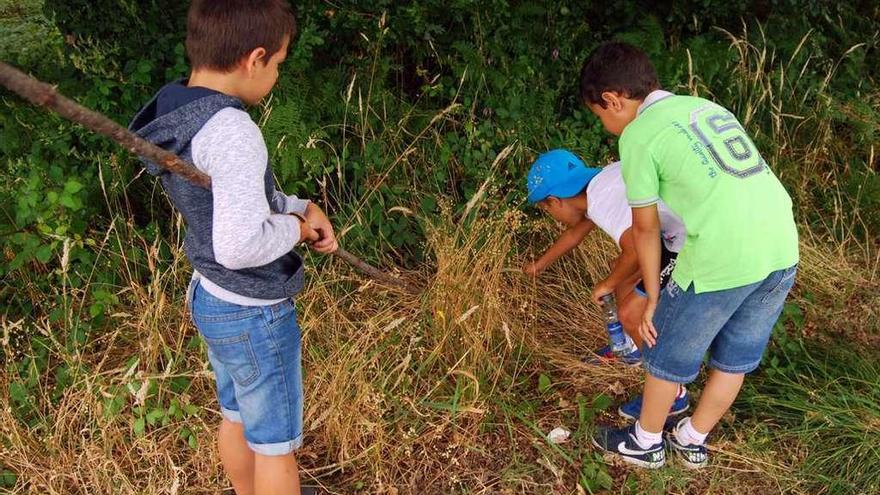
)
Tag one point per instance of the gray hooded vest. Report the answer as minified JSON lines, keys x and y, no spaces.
{"x":174,"y":131}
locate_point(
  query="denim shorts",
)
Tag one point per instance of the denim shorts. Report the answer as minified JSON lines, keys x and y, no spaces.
{"x":734,"y":325}
{"x":256,"y":357}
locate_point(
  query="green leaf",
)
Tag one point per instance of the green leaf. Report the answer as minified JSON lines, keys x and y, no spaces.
{"x":603,"y":479}
{"x":601,"y":402}
{"x":73,"y":186}
{"x":18,"y":392}
{"x":44,"y":253}
{"x":8,"y":478}
{"x":139,"y":426}
{"x":544,"y":383}
{"x":68,"y":201}
{"x":584,"y":414}
{"x":96,"y":309}
{"x":154,"y":415}
{"x":20,"y":259}
{"x":113,"y":406}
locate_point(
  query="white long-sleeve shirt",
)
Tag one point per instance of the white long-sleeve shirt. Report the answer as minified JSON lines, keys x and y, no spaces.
{"x":248,"y":229}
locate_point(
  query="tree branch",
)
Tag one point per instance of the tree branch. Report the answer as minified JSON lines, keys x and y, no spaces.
{"x":45,"y":95}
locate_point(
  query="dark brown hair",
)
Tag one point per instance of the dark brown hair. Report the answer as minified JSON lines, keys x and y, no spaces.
{"x":619,"y":67}
{"x":220,"y":32}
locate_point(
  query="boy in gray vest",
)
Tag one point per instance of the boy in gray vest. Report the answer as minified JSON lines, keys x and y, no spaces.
{"x":240,"y":234}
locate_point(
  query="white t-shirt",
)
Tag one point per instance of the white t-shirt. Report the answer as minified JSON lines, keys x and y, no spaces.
{"x":609,"y":209}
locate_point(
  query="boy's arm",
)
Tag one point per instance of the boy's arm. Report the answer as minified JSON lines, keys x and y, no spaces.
{"x":326,"y":243}
{"x":641,"y":175}
{"x":245,"y":231}
{"x":625,"y":266}
{"x":565,"y":243}
{"x":646,"y":233}
{"x":282,"y":203}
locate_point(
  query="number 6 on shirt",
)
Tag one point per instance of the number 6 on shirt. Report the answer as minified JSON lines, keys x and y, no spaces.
{"x":739,"y":151}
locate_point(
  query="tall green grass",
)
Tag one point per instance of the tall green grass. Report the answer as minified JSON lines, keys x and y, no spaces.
{"x":823,"y":402}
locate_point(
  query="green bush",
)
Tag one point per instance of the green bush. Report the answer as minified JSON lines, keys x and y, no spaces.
{"x":387,"y":104}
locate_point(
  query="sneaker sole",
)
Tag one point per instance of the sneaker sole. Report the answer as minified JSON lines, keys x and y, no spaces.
{"x":629,"y":460}
{"x":679,"y":458}
{"x":630,"y":417}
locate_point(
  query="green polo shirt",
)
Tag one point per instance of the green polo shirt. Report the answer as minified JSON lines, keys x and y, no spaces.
{"x":695,"y":156}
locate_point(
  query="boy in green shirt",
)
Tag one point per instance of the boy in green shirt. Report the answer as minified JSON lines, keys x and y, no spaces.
{"x":738,"y":262}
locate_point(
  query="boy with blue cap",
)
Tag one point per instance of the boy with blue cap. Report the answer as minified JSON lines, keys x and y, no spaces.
{"x":582,"y":198}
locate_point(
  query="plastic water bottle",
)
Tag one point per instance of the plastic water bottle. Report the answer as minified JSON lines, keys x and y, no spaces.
{"x":621,"y":344}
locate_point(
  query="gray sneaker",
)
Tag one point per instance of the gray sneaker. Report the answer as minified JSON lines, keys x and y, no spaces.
{"x":691,"y":456}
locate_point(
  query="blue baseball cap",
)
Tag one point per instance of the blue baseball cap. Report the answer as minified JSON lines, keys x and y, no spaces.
{"x":558,"y":173}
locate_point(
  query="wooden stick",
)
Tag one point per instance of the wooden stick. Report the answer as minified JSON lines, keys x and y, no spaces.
{"x":45,"y":95}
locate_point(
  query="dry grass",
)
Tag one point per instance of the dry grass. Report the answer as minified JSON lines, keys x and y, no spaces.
{"x":429,"y":394}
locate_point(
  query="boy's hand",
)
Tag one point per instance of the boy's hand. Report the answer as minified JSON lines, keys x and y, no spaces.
{"x":646,"y":327}
{"x":601,"y":289}
{"x":307,"y":234}
{"x":326,"y":242}
{"x":533,"y":269}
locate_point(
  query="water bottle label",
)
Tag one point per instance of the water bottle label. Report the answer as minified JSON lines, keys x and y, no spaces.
{"x":615,"y":333}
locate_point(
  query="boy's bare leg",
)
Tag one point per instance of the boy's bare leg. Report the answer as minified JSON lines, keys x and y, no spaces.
{"x":630,"y":310}
{"x":719,"y":393}
{"x":237,"y":457}
{"x":276,"y":475}
{"x":656,"y":402}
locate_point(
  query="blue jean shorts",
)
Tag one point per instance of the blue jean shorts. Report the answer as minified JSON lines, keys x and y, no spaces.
{"x":733,"y":325}
{"x":256,"y":357}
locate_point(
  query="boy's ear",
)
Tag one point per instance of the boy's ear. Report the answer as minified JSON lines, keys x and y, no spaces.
{"x":256,"y":56}
{"x":612,"y":100}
